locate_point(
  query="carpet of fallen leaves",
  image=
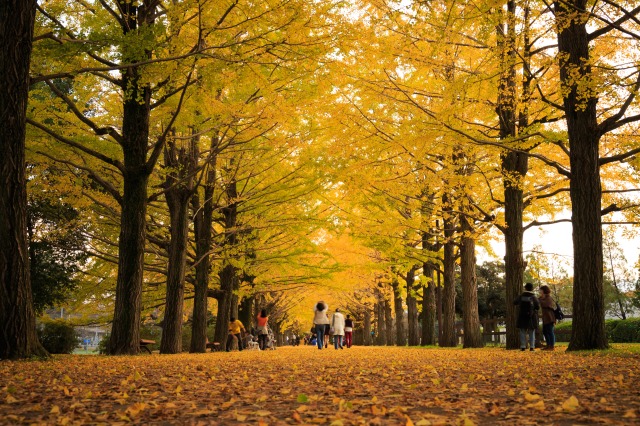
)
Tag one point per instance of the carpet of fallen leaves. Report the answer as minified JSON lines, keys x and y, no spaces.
{"x":302,"y":385}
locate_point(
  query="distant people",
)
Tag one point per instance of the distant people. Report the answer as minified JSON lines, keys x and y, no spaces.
{"x":321,"y":322}
{"x":235,"y":329}
{"x":528,"y":306}
{"x":348,"y":331}
{"x":337,"y":324}
{"x":327,"y":330}
{"x":263,"y":329}
{"x":548,"y":306}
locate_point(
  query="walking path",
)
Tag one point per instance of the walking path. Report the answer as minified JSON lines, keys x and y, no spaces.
{"x":303,"y":385}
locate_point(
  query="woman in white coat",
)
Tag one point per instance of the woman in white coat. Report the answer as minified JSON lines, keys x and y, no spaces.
{"x":320,"y":320}
{"x":337,"y":324}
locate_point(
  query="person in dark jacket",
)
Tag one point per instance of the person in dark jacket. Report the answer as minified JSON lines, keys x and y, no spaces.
{"x":528,"y":307}
{"x":548,"y":317}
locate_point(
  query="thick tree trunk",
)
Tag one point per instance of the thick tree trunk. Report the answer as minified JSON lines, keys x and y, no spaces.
{"x":171,"y":342}
{"x":429,"y":291}
{"x":471,"y":318}
{"x":229,"y":279}
{"x":439,"y":307}
{"x":429,"y":306}
{"x":588,"y":331}
{"x":449,"y":338}
{"x":401,"y":339}
{"x":367,"y":328}
{"x":179,"y":189}
{"x":380,"y":321}
{"x":245,"y":311}
{"x":125,"y":330}
{"x":18,"y":337}
{"x":515,"y":166}
{"x":203,"y":220}
{"x":412,"y":308}
{"x":388,"y":322}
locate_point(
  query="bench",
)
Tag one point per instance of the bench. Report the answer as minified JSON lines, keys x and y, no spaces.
{"x":214,"y":346}
{"x":144,"y":344}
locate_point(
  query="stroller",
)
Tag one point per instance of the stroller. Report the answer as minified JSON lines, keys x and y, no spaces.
{"x":271,"y":340}
{"x":251,"y":342}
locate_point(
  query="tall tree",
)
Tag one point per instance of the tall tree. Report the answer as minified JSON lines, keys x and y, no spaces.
{"x":18,"y":337}
{"x":580,"y":100}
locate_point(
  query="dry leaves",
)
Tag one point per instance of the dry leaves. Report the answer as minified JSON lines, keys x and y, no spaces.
{"x":376,"y":386}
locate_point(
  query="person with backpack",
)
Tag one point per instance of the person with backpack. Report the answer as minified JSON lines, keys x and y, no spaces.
{"x":528,"y":306}
{"x":548,"y":317}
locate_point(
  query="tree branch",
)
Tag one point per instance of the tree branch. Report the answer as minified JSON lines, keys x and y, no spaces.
{"x":115,"y":163}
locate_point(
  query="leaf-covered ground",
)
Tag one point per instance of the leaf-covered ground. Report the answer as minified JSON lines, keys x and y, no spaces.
{"x":303,"y":385}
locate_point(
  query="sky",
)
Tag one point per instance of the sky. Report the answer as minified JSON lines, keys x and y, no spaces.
{"x":557,"y":240}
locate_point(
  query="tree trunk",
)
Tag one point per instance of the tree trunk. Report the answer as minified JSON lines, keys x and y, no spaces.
{"x":18,"y":338}
{"x":588,"y":330}
{"x":429,"y":306}
{"x":471,"y":318}
{"x":229,"y":279}
{"x":515,"y":166}
{"x":412,"y":308}
{"x":388,"y":322}
{"x":401,"y":339}
{"x":380,"y":321}
{"x":202,"y":223}
{"x":367,"y":328}
{"x":179,"y":188}
{"x":125,"y":329}
{"x":449,"y":338}
{"x":245,"y":311}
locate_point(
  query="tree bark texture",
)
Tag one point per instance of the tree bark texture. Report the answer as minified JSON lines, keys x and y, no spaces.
{"x":179,"y":189}
{"x":401,"y":339}
{"x":202,"y":223}
{"x":18,"y":338}
{"x":229,"y":279}
{"x":429,"y":306}
{"x":125,"y":329}
{"x":388,"y":316}
{"x":367,"y":327}
{"x":449,"y":338}
{"x":412,"y":308}
{"x":471,"y":317}
{"x":515,"y":165}
{"x":585,"y":188}
{"x":380,"y":321}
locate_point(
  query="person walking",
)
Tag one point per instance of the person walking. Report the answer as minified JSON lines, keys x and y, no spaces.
{"x":337,"y":324}
{"x":235,"y":329}
{"x":548,"y":306}
{"x":348,"y":331}
{"x":262,"y":330}
{"x":528,"y":307}
{"x":320,"y":320}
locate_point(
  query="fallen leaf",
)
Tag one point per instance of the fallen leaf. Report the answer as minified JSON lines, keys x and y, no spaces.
{"x":571,"y":404}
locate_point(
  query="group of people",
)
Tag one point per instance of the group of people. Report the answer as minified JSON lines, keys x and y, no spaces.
{"x":527,"y":322}
{"x":341,"y":328}
{"x":237,"y":329}
{"x":338,"y":326}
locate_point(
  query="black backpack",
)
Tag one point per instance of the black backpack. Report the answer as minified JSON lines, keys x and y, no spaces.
{"x":558,"y":313}
{"x":527,"y":309}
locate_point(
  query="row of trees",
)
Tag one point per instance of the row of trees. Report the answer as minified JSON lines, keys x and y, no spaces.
{"x":451,"y":162}
{"x":212,"y":150}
